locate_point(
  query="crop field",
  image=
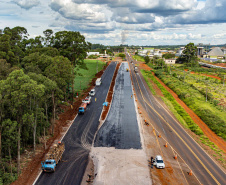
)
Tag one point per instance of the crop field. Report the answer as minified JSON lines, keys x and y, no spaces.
{"x":192,"y":91}
{"x":85,"y":76}
{"x":209,"y":86}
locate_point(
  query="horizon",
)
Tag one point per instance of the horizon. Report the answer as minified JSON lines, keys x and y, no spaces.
{"x":115,"y":22}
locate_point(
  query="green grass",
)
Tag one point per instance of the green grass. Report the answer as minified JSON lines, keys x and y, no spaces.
{"x":147,"y":81}
{"x":84,"y":77}
{"x":138,"y":58}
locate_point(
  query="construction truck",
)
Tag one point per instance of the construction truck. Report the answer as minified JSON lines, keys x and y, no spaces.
{"x":53,"y":157}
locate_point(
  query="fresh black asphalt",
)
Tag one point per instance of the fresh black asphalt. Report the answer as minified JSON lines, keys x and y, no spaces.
{"x":79,"y":138}
{"x":120,"y":129}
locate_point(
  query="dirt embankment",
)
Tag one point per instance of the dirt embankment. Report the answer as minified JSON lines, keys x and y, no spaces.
{"x":30,"y":172}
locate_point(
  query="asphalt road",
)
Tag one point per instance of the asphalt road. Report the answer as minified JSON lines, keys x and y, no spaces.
{"x":120,"y":129}
{"x":206,"y":170}
{"x":79,"y":138}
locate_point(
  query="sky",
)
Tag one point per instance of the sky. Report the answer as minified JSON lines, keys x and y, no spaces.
{"x":115,"y":22}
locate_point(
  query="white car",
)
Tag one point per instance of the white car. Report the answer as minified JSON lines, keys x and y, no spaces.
{"x":92,"y":92}
{"x":87,"y":100}
{"x":158,"y":162}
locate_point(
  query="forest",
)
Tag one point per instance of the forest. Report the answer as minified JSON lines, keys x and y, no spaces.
{"x":36,"y":75}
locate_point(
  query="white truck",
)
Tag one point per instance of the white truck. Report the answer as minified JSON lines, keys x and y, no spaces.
{"x":98,"y":82}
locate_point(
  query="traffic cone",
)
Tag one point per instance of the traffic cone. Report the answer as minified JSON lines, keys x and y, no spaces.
{"x":166,"y":145}
{"x":159,"y":135}
{"x":190,"y":173}
{"x":175,"y":157}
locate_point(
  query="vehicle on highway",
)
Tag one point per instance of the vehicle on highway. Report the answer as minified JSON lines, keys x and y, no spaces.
{"x":98,"y":82}
{"x":53,"y":157}
{"x":92,"y":92}
{"x":87,"y":100}
{"x":82,"y":108}
{"x":135,"y":69}
{"x":158,"y":162}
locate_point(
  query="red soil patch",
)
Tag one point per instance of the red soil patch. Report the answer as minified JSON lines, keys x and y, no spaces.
{"x":209,"y":133}
{"x":30,"y":172}
{"x":144,"y":66}
{"x":212,"y":76}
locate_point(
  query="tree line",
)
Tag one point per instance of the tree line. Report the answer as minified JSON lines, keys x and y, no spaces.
{"x":35,"y":76}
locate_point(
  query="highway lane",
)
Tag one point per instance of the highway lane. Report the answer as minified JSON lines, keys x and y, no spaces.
{"x":79,"y":138}
{"x":206,"y":170}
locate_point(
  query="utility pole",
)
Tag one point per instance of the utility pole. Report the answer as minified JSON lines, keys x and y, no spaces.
{"x":223,"y":80}
{"x":97,"y":66}
{"x":184,"y":74}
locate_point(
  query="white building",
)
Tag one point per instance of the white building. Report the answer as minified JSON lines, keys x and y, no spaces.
{"x":170,"y":61}
{"x":93,"y":53}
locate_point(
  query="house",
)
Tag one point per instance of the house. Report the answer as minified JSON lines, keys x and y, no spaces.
{"x":170,"y":61}
{"x":216,"y":53}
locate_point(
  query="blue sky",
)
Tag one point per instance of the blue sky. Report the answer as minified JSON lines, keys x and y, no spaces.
{"x":112,"y":22}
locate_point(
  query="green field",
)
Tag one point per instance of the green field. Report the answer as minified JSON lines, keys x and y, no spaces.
{"x":84,"y":77}
{"x":138,"y":58}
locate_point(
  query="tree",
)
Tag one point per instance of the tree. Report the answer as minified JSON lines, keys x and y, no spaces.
{"x":73,"y":46}
{"x":146,"y":59}
{"x":17,"y":92}
{"x":60,"y":71}
{"x":168,"y":55}
{"x":48,"y":37}
{"x":190,"y":53}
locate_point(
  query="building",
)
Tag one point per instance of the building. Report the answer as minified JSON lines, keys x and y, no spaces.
{"x":215,"y":53}
{"x":93,"y":53}
{"x":200,"y":51}
{"x":170,"y":61}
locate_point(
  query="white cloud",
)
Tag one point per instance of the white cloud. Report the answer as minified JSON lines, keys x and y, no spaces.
{"x":26,"y":4}
{"x":142,"y":21}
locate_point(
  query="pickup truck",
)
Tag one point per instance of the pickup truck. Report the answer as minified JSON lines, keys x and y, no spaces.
{"x":87,"y":100}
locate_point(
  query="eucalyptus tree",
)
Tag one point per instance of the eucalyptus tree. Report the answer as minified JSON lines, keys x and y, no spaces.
{"x":73,"y":46}
{"x":16,"y":91}
{"x":60,"y":71}
{"x":16,"y":49}
{"x":9,"y":135}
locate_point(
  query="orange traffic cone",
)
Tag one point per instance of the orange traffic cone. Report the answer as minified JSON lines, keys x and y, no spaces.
{"x":190,"y":173}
